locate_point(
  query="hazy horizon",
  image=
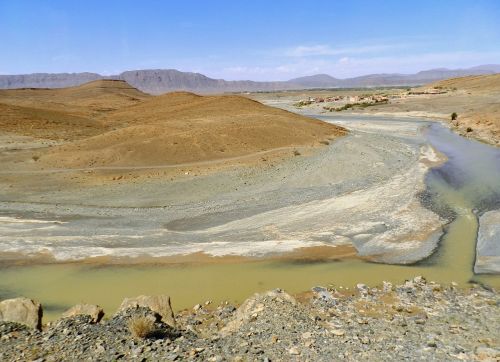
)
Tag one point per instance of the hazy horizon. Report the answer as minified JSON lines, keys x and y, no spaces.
{"x":256,"y":41}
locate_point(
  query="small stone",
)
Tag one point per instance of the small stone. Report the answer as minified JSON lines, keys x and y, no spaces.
{"x":387,"y":287}
{"x":362,"y":287}
{"x":306,"y":335}
{"x":197,"y":307}
{"x":100,"y":348}
{"x":337,"y":332}
{"x":419,"y":279}
{"x":294,"y":351}
{"x":436,"y":287}
{"x":431,"y":343}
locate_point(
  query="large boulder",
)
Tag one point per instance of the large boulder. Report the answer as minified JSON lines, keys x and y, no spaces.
{"x":22,"y":310}
{"x":158,"y":303}
{"x":94,"y":311}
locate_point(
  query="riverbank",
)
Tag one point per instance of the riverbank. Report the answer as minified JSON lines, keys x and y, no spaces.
{"x":415,"y":320}
{"x":473,"y":100}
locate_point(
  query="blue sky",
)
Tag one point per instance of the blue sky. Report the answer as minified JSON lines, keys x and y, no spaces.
{"x":259,"y":40}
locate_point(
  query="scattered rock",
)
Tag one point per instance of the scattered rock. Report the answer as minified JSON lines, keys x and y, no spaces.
{"x":417,"y":320}
{"x":362,"y":287}
{"x":486,"y":353}
{"x":387,"y":287}
{"x":337,"y":332}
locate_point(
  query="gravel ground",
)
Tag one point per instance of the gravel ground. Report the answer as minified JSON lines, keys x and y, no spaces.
{"x":418,"y":320}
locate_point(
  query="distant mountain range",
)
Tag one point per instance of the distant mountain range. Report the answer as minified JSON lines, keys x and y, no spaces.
{"x":378,"y":80}
{"x":157,"y":81}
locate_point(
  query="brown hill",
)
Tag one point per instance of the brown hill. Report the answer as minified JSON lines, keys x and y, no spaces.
{"x":481,"y":83}
{"x":96,"y":95}
{"x":183,"y":127}
{"x":67,"y":113}
{"x":479,"y":112}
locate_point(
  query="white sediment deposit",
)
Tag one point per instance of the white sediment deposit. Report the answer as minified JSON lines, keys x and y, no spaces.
{"x":386,"y":222}
{"x":488,"y":243}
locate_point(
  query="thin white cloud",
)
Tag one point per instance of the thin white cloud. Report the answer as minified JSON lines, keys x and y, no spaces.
{"x":322,"y":50}
{"x":352,"y":66}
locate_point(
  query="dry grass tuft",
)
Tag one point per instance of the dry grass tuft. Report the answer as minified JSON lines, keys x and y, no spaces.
{"x":141,"y":327}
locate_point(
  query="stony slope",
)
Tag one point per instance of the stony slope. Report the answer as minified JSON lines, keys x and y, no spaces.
{"x":417,"y":320}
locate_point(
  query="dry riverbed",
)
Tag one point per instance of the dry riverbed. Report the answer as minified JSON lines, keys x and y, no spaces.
{"x":368,"y":182}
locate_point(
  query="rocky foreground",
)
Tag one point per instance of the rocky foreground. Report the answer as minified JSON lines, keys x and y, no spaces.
{"x":418,"y":320}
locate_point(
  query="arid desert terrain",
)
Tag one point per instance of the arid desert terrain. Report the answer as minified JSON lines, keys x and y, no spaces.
{"x":106,"y":191}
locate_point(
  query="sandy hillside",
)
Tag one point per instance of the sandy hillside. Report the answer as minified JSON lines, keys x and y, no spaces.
{"x":64,"y":114}
{"x":479,"y":83}
{"x":482,"y":115}
{"x":109,"y":123}
{"x":183,"y":127}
